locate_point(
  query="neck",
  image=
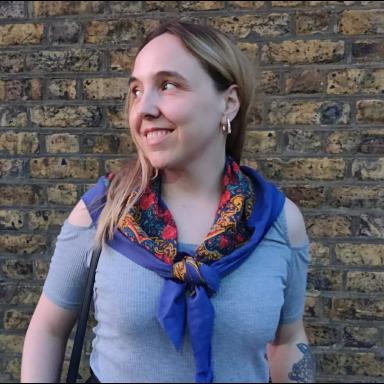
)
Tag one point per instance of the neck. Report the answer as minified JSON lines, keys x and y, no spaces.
{"x":200,"y":179}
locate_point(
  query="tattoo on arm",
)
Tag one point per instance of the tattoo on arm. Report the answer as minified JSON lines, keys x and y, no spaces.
{"x":303,"y":371}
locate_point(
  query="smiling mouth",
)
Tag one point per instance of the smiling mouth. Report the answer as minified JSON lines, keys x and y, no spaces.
{"x":157,"y":137}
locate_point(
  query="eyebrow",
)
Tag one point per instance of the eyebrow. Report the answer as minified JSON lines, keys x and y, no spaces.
{"x":173,"y":74}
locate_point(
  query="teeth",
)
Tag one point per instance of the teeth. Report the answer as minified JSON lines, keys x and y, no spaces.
{"x":157,"y":133}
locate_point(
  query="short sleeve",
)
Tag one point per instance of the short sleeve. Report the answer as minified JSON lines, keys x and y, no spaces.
{"x":66,"y":280}
{"x":295,"y":291}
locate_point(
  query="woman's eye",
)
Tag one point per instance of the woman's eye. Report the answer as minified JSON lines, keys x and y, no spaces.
{"x":134,"y":91}
{"x":167,"y":83}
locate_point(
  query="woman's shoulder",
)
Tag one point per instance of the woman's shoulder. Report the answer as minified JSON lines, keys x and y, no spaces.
{"x":80,"y":216}
{"x":295,"y":225}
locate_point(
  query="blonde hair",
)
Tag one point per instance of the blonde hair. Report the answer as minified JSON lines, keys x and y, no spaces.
{"x":226,"y":65}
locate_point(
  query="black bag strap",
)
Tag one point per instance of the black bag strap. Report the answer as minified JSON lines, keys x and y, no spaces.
{"x":82,"y":320}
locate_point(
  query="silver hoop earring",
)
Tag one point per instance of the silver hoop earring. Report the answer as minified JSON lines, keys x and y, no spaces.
{"x":229,"y":126}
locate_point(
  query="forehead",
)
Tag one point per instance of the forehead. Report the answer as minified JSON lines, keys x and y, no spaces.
{"x":166,"y":53}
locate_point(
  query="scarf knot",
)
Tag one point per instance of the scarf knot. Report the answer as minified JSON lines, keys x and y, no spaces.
{"x":196,"y":274}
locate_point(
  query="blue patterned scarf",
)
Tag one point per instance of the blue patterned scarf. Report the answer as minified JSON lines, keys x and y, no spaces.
{"x":147,"y":235}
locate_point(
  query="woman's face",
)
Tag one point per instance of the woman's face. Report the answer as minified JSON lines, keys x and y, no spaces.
{"x":173,"y":96}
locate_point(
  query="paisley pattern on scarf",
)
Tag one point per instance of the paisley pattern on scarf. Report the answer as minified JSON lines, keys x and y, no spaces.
{"x":150,"y":223}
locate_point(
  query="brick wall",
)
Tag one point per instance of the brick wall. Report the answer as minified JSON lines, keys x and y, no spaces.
{"x":317,"y":131}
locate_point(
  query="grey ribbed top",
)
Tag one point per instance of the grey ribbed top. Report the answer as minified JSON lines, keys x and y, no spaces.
{"x":129,"y":344}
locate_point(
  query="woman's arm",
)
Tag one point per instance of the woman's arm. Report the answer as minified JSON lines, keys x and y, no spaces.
{"x":45,"y":342}
{"x":49,"y":329}
{"x":290,"y":357}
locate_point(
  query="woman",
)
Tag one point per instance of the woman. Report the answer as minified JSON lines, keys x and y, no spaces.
{"x":182,"y":220}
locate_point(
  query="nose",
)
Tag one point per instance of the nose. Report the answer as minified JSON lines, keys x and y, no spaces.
{"x":148,"y":104}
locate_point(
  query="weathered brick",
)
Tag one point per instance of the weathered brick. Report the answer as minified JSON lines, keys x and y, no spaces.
{"x":305,"y":81}
{"x":370,"y":111}
{"x":120,"y":7}
{"x":19,"y":143}
{"x":21,"y":34}
{"x":67,"y":32}
{"x":11,"y":168}
{"x":114,"y":165}
{"x":300,"y":169}
{"x":11,"y":343}
{"x":368,"y":282}
{"x":249,"y":49}
{"x":14,"y":117}
{"x":11,"y":219}
{"x":308,"y":112}
{"x":303,"y":52}
{"x":17,"y":269}
{"x":246,"y":4}
{"x":306,"y":196}
{"x":71,"y":60}
{"x":360,"y":22}
{"x":61,"y":168}
{"x":349,"y":141}
{"x":254,"y":117}
{"x":357,"y":197}
{"x":122,"y":59}
{"x":17,"y":293}
{"x":259,"y":142}
{"x":11,"y":62}
{"x":13,"y":368}
{"x":12,"y":9}
{"x":199,"y":5}
{"x":63,"y":194}
{"x":62,"y":89}
{"x":270,"y":82}
{"x":270,"y":25}
{"x":12,"y":90}
{"x":329,"y":226}
{"x":45,"y":219}
{"x":312,"y":22}
{"x":371,"y":226}
{"x":23,"y":244}
{"x":41,"y":268}
{"x":315,"y":305}
{"x":109,"y":143}
{"x":301,"y":141}
{"x":61,"y":8}
{"x":360,"y":364}
{"x":117,"y":31}
{"x":357,"y":309}
{"x":360,"y":254}
{"x":19,"y":195}
{"x":354,"y":80}
{"x":311,"y":3}
{"x":324,"y":280}
{"x":110,"y":88}
{"x":117,"y":118}
{"x":373,"y":145}
{"x":368,"y":169}
{"x":62,"y":143}
{"x":15,"y":319}
{"x":320,"y":254}
{"x":367,"y":51}
{"x":360,"y":337}
{"x":171,"y":6}
{"x":66,"y":116}
{"x":321,"y":335}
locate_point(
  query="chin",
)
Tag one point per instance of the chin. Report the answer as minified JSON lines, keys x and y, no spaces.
{"x":159,"y":161}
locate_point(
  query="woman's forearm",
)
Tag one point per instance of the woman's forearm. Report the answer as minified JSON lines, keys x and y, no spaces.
{"x":43,"y":356}
{"x":292,"y":363}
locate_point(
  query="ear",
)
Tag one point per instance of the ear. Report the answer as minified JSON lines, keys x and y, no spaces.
{"x":231,"y":103}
